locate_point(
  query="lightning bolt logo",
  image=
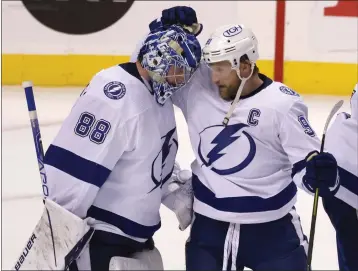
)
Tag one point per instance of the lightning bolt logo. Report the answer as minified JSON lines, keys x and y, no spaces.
{"x":115,"y":89}
{"x":166,"y":146}
{"x":223,"y":139}
{"x":169,"y":140}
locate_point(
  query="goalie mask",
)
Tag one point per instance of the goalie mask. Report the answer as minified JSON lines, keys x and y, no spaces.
{"x":170,"y":56}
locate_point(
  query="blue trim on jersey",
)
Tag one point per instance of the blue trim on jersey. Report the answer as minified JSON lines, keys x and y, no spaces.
{"x":348,"y":180}
{"x":76,"y":166}
{"x":247,"y":204}
{"x":124,"y":224}
{"x":131,"y":68}
{"x":266,"y":82}
{"x":297,"y":167}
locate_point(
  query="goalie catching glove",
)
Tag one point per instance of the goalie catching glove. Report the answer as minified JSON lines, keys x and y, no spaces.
{"x":178,"y":196}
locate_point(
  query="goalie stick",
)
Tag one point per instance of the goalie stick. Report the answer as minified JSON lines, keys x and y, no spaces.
{"x":58,"y":240}
{"x":334,"y":110}
{"x":31,"y":106}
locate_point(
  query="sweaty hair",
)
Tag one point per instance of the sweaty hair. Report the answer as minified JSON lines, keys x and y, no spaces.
{"x":245,"y":58}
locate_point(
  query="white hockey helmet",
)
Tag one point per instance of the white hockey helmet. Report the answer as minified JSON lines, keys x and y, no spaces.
{"x":231,"y":42}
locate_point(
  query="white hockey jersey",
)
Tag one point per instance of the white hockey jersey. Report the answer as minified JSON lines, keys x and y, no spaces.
{"x":113,"y":154}
{"x":342,"y":142}
{"x":244,"y":173}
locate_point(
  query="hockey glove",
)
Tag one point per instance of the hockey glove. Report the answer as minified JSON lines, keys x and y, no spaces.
{"x":321,"y":172}
{"x":179,"y":15}
{"x":179,"y":197}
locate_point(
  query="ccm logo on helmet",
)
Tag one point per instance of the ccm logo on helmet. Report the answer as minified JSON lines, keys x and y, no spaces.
{"x":233,"y":31}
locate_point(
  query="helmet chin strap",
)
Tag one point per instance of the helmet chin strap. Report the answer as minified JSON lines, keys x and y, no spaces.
{"x":238,"y":94}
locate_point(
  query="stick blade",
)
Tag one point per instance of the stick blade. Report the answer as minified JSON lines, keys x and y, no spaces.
{"x":334,"y":110}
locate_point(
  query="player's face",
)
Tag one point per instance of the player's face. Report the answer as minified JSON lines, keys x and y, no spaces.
{"x":226,"y":79}
{"x":175,"y":76}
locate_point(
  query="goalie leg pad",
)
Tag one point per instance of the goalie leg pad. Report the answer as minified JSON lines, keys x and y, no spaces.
{"x":144,"y":260}
{"x":109,"y":251}
{"x":55,"y":235}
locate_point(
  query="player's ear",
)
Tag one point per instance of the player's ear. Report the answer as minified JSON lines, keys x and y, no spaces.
{"x":245,"y":68}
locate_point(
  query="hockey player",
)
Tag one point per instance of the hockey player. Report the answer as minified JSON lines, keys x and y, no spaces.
{"x":245,"y":172}
{"x":342,"y":142}
{"x":113,"y":158}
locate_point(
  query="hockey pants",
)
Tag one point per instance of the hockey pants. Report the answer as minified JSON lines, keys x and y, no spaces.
{"x":277,"y":245}
{"x":344,"y":219}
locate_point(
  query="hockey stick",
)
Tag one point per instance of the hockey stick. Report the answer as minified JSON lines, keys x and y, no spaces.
{"x":334,"y":110}
{"x":72,"y":230}
{"x":31,"y":106}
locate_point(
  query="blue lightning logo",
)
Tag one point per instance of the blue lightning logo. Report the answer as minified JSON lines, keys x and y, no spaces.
{"x":169,"y":141}
{"x":222,"y":140}
{"x":166,"y":146}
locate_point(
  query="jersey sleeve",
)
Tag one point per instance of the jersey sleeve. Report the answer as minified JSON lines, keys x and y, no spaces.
{"x":342,"y":143}
{"x":88,"y":145}
{"x":200,"y":79}
{"x":298,"y":139}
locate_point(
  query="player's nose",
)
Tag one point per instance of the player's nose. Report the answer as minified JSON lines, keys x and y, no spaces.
{"x":215,"y":79}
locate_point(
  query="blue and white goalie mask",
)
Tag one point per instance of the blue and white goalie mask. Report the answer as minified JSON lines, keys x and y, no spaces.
{"x":170,"y":56}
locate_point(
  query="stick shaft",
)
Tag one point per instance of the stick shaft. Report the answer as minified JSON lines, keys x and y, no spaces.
{"x":334,"y":110}
{"x":29,"y":93}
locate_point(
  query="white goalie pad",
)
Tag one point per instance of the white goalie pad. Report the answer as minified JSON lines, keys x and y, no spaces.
{"x":145,"y":260}
{"x":46,"y":249}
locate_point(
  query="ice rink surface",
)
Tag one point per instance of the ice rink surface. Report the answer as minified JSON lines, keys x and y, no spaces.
{"x":21,"y":189}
